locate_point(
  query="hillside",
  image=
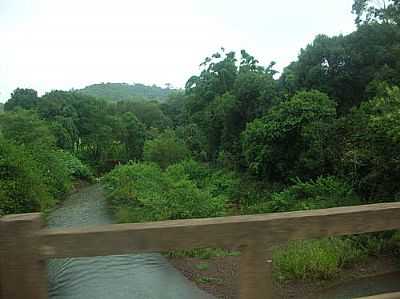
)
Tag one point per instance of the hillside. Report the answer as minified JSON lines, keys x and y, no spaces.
{"x":1,"y":107}
{"x":125,"y":91}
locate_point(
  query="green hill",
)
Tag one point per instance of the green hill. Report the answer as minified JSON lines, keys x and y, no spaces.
{"x":1,"y":107}
{"x":125,"y":91}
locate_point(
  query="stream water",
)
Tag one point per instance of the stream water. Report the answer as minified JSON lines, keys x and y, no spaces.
{"x":146,"y":276}
{"x":139,"y":276}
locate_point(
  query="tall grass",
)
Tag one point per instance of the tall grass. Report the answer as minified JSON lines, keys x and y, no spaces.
{"x":316,"y":259}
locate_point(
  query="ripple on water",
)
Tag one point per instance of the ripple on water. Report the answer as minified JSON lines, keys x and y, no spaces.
{"x":140,"y":276}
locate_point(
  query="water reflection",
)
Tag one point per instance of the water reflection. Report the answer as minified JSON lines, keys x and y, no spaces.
{"x":140,"y":276}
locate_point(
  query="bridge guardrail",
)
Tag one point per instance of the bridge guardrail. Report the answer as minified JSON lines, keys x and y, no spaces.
{"x":25,"y":245}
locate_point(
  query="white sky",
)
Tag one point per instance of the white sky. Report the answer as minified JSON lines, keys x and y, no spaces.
{"x":64,"y":44}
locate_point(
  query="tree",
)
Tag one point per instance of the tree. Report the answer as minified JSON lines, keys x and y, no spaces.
{"x":367,"y":11}
{"x":114,"y":92}
{"x":26,"y":129}
{"x":22,"y":189}
{"x":218,"y":76}
{"x":132,"y":135}
{"x":148,"y":113}
{"x":99,"y":132}
{"x":293,"y":139}
{"x":195,"y":139}
{"x":60,"y":109}
{"x":347,"y":68}
{"x":370,"y":149}
{"x":174,"y":108}
{"x":22,"y":98}
{"x":225,"y":96}
{"x":165,"y":150}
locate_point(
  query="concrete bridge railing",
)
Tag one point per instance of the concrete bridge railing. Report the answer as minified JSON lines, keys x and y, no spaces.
{"x":25,"y":245}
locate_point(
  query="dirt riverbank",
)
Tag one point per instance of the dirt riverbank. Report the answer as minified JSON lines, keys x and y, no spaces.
{"x":220,"y":276}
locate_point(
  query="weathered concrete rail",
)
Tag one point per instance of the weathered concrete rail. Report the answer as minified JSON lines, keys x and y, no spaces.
{"x":384,"y":296}
{"x":25,"y":245}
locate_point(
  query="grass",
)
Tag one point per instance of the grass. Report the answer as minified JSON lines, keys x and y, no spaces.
{"x":315,"y":260}
{"x":208,"y":280}
{"x":310,"y":260}
{"x":324,"y":259}
{"x":204,"y":253}
{"x":202,"y":266}
{"x":306,"y":260}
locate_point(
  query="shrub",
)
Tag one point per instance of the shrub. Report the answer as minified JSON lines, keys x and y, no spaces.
{"x":34,"y":135}
{"x":252,"y":195}
{"x":133,"y":184}
{"x":324,"y":192}
{"x":75,"y":167}
{"x":197,"y":172}
{"x":217,"y":182}
{"x":55,"y":172}
{"x":375,"y":244}
{"x":140,"y":192}
{"x":187,"y":200}
{"x":165,"y":150}
{"x":22,"y":189}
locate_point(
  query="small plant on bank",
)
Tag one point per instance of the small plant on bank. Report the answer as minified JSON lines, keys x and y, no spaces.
{"x":208,"y":280}
{"x":316,"y":259}
{"x":202,"y":266}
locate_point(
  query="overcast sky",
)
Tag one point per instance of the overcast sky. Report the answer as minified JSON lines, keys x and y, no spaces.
{"x":64,"y":44}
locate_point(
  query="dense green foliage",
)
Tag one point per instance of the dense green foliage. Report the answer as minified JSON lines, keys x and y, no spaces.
{"x":100,"y":133}
{"x":27,"y":130}
{"x":35,"y":174}
{"x":126,"y":92}
{"x":174,"y":108}
{"x":23,"y":98}
{"x":144,"y":192}
{"x":237,"y":139}
{"x":225,"y":97}
{"x":165,"y":150}
{"x":75,"y":168}
{"x":149,"y":113}
{"x":54,"y":136}
{"x":370,"y":149}
{"x":347,"y":68}
{"x":321,"y":193}
{"x":22,"y":188}
{"x":294,"y":138}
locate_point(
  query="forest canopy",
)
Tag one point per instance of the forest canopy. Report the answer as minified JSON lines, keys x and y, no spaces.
{"x":331,"y":113}
{"x":240,"y":138}
{"x":127,"y":92}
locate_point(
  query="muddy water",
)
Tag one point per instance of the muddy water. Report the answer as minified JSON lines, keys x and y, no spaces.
{"x":140,"y":276}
